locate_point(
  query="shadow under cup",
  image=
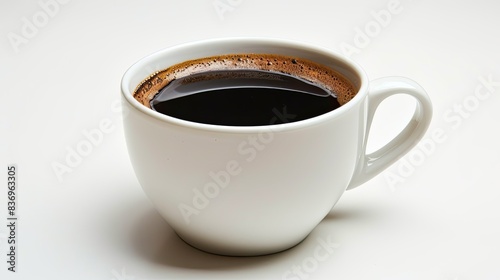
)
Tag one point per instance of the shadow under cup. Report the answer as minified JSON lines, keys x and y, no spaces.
{"x":249,"y":190}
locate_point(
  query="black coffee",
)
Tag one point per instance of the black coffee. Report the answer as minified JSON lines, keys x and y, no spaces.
{"x":243,"y":98}
{"x":245,"y":90}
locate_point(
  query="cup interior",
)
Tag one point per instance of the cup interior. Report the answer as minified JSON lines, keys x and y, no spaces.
{"x":165,"y":58}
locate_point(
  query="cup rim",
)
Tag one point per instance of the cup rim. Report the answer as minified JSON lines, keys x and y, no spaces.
{"x":275,"y":42}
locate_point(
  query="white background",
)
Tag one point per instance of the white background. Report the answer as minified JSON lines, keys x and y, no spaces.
{"x":433,"y":215}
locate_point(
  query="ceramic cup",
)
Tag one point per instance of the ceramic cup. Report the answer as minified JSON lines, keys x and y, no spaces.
{"x":254,"y":190}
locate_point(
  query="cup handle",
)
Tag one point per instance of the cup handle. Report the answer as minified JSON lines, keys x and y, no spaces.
{"x":369,"y":165}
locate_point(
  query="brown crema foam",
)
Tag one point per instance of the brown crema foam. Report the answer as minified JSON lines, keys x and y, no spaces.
{"x":298,"y":67}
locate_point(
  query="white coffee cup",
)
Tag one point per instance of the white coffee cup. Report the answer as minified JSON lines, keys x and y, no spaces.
{"x":253,"y":190}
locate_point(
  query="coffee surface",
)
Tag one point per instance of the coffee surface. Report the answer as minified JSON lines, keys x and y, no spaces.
{"x":243,"y":98}
{"x":245,"y":90}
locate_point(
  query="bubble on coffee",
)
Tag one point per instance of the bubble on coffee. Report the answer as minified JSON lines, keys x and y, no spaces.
{"x":245,"y":89}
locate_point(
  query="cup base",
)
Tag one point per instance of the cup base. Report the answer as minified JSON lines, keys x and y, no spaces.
{"x":238,"y":251}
